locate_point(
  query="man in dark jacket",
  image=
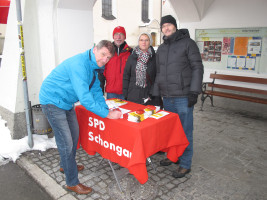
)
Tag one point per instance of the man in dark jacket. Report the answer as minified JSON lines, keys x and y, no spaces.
{"x":178,"y":81}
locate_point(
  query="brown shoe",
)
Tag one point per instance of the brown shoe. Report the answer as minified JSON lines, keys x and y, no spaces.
{"x":180,"y":173}
{"x":79,"y":167}
{"x":79,"y":189}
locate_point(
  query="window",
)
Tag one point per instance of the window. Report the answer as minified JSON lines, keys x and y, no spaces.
{"x":107,"y":10}
{"x":153,"y":35}
{"x":145,"y":6}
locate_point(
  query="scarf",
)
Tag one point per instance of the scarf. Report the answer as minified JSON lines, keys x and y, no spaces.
{"x":141,"y":66}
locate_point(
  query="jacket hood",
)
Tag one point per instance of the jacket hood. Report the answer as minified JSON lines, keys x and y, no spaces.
{"x":179,"y":34}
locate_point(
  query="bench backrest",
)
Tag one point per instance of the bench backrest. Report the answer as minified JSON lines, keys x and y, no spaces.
{"x":239,"y":78}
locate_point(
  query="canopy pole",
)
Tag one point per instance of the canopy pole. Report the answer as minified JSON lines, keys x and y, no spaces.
{"x":24,"y":79}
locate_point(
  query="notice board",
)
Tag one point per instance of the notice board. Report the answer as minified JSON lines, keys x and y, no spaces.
{"x":234,"y":49}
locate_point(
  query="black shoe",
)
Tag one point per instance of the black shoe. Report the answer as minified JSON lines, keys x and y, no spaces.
{"x":167,"y":162}
{"x":181,"y":172}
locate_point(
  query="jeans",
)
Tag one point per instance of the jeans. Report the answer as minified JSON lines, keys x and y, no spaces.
{"x":179,"y":105}
{"x":114,"y":95}
{"x":66,"y":130}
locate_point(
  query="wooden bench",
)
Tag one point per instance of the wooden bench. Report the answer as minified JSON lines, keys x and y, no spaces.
{"x":228,"y":91}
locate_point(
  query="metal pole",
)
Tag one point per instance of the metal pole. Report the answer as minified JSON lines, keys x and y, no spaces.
{"x":24,"y":79}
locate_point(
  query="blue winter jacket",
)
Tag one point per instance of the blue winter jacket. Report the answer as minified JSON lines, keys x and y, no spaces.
{"x":69,"y":82}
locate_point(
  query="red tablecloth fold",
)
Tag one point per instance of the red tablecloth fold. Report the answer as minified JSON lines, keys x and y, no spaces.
{"x":128,"y":143}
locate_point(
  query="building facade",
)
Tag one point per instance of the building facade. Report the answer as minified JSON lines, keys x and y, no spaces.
{"x":57,"y":29}
{"x":136,"y":16}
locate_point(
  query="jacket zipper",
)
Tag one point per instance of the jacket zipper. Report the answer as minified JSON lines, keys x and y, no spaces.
{"x":166,"y":69}
{"x":120,"y":64}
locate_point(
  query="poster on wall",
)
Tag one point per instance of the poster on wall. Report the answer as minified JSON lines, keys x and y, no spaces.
{"x":242,"y":49}
{"x":231,"y":62}
{"x":241,"y":62}
{"x":228,"y":45}
{"x":250,"y":62}
{"x":212,"y":51}
{"x":254,"y":46}
{"x":241,"y":44}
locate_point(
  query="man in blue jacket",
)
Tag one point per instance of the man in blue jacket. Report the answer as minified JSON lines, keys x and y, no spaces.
{"x":71,"y":81}
{"x":178,"y":81}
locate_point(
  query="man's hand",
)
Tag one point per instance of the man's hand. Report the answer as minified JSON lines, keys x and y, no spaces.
{"x":114,"y":114}
{"x":192,"y":99}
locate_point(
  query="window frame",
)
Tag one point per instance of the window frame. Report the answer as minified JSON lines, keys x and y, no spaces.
{"x":108,"y":9}
{"x":145,"y":11}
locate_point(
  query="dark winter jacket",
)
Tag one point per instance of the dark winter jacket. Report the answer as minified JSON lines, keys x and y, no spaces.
{"x":114,"y":69}
{"x":179,"y":66}
{"x":131,"y":91}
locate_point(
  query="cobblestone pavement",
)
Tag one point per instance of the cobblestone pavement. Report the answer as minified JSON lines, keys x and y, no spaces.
{"x":229,"y":163}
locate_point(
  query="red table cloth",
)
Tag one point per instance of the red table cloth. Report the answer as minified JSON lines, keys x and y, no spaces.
{"x":129,"y":143}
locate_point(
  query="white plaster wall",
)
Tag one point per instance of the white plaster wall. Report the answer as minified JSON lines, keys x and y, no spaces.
{"x":2,"y":37}
{"x":128,"y":15}
{"x":232,"y":14}
{"x":9,"y":70}
{"x":75,"y":32}
{"x":39,"y":53}
{"x":51,"y":34}
{"x":39,"y":46}
{"x":2,"y":30}
{"x":45,"y":38}
{"x":167,"y":9}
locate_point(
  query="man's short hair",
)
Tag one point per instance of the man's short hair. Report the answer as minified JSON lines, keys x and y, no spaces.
{"x":108,"y":44}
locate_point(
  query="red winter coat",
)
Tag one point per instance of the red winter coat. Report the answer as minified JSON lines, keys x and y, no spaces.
{"x":114,"y":70}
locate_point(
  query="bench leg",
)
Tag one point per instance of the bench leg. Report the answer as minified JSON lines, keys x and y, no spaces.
{"x":211,"y":99}
{"x":201,"y":108}
{"x":203,"y":98}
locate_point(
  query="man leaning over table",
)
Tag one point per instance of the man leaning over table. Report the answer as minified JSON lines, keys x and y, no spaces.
{"x":75,"y":79}
{"x":178,"y":81}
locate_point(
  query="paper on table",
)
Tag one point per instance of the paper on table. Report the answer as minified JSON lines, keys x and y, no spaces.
{"x":114,"y":103}
{"x":159,"y":114}
{"x":123,"y":111}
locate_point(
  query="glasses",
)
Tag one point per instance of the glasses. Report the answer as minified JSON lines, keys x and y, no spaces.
{"x":118,"y":34}
{"x":141,"y":40}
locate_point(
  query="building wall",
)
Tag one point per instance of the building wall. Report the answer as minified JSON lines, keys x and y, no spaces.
{"x":233,"y":14}
{"x":128,"y":15}
{"x":57,"y":29}
{"x":2,"y":37}
{"x":168,"y":9}
{"x":9,"y":70}
{"x":53,"y":31}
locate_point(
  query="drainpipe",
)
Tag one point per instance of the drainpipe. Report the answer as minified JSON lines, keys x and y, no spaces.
{"x":24,"y":79}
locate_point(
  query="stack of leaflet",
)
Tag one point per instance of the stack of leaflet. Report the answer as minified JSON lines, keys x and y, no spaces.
{"x":141,"y":115}
{"x":115,"y":103}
